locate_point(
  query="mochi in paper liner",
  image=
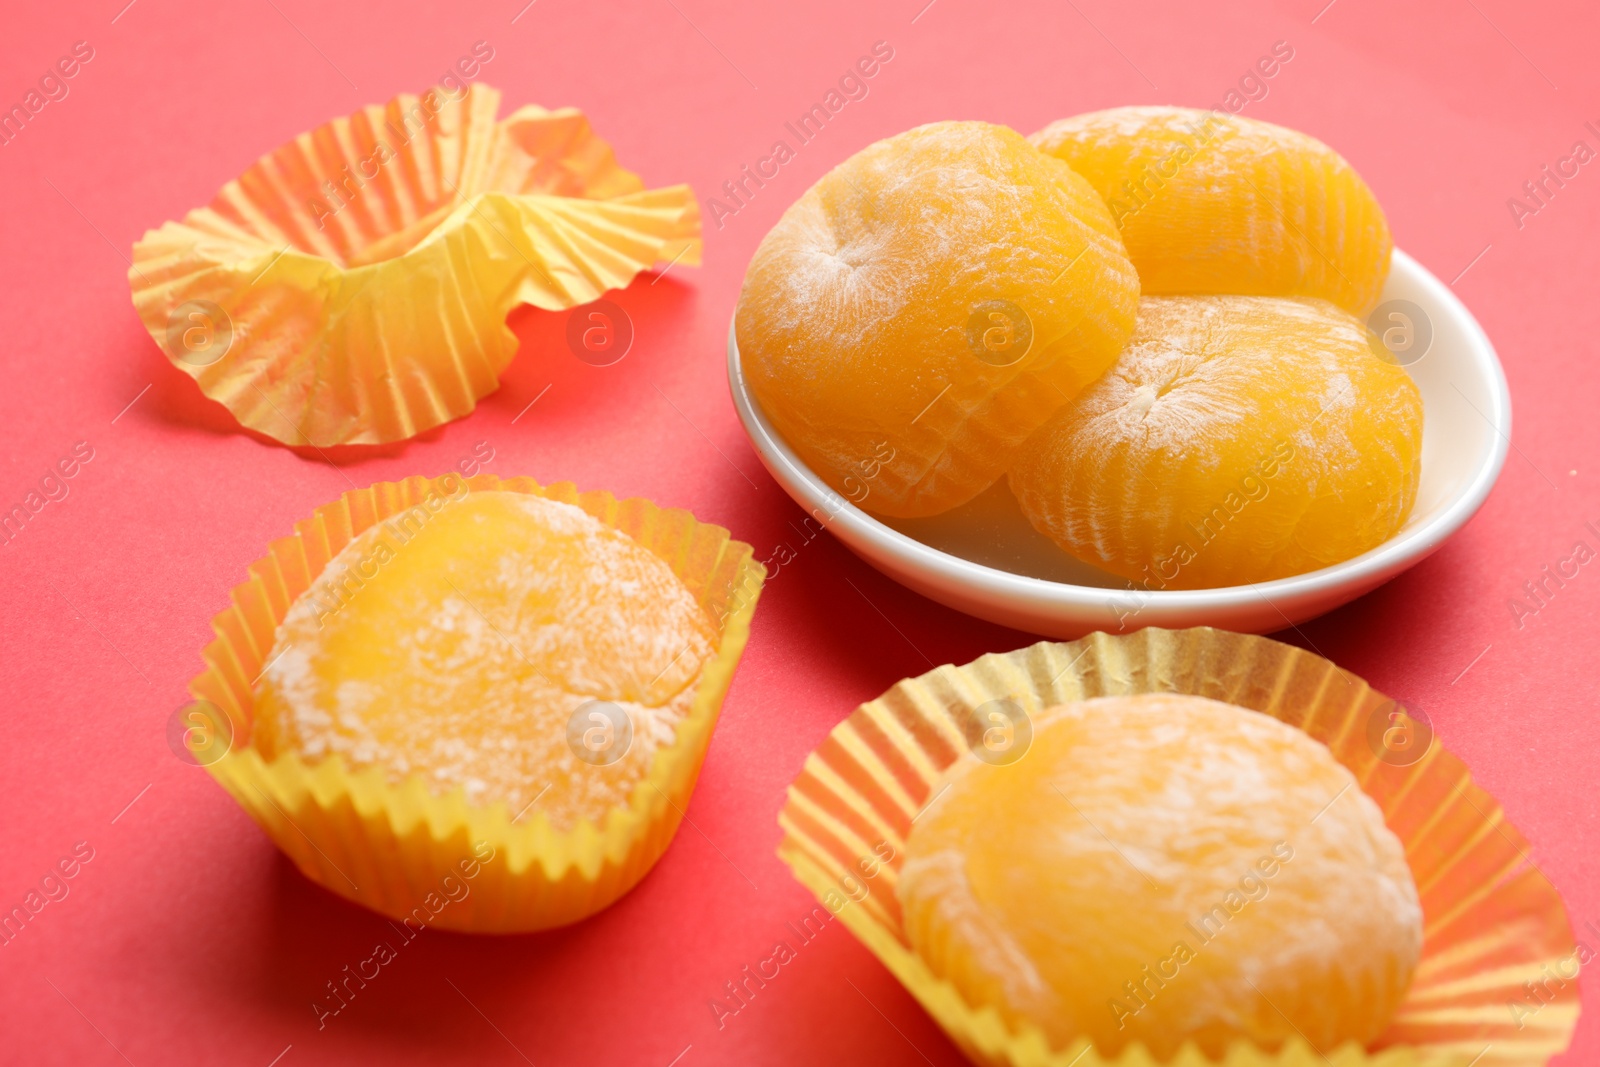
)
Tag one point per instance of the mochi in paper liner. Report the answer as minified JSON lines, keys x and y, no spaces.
{"x":391,"y":848}
{"x":1491,"y":921}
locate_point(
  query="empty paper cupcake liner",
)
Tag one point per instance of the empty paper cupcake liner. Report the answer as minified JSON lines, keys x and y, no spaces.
{"x":352,"y":286}
{"x":1492,"y":922}
{"x":436,"y":860}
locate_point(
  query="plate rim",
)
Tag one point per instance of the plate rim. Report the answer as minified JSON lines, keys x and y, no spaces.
{"x":1363,"y":572}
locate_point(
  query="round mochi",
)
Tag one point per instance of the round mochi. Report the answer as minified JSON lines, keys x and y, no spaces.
{"x":925,"y":306}
{"x":1209,"y":202}
{"x":1237,"y":439}
{"x":472,"y":645}
{"x":1164,"y":868}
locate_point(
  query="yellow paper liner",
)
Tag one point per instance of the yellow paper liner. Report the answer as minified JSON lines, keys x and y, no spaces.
{"x":366,"y":268}
{"x":1491,"y":921}
{"x":387,"y":847}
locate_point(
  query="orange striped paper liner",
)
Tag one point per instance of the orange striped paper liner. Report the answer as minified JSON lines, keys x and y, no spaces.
{"x":1492,"y":921}
{"x":389,"y":847}
{"x":363,"y":271}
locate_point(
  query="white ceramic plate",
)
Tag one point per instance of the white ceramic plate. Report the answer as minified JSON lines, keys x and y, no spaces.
{"x":1003,"y":570}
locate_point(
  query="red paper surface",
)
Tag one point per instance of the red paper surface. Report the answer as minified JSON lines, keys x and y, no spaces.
{"x":188,"y":939}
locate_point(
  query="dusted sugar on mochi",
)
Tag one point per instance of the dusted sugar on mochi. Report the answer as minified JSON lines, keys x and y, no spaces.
{"x":455,"y":644}
{"x":925,"y":306}
{"x":1215,"y":203}
{"x":1237,"y":439}
{"x":1163,"y":868}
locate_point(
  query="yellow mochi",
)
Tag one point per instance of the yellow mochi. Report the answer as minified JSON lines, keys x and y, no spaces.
{"x":1237,"y":439}
{"x":457,"y":644}
{"x":925,"y":306}
{"x":1215,"y":203}
{"x":1163,"y":868}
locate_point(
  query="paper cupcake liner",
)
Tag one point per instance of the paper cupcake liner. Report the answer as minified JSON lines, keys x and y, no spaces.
{"x":392,"y":848}
{"x":1492,"y":922}
{"x":352,"y":286}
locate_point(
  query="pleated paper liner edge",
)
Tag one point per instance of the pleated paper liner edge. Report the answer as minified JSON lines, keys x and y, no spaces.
{"x":1491,"y":920}
{"x":309,"y":347}
{"x":392,"y":848}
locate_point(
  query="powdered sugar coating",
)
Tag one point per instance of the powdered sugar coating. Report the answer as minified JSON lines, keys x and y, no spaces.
{"x":1055,"y":887}
{"x":1209,"y":202}
{"x":1236,"y":439}
{"x":854,"y":317}
{"x":457,"y":647}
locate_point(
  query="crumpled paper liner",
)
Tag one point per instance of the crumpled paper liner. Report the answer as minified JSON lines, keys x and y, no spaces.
{"x":1491,"y":921}
{"x":389,"y":847}
{"x":367,"y":267}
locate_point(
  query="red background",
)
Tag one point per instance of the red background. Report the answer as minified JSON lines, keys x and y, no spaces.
{"x":188,"y":939}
